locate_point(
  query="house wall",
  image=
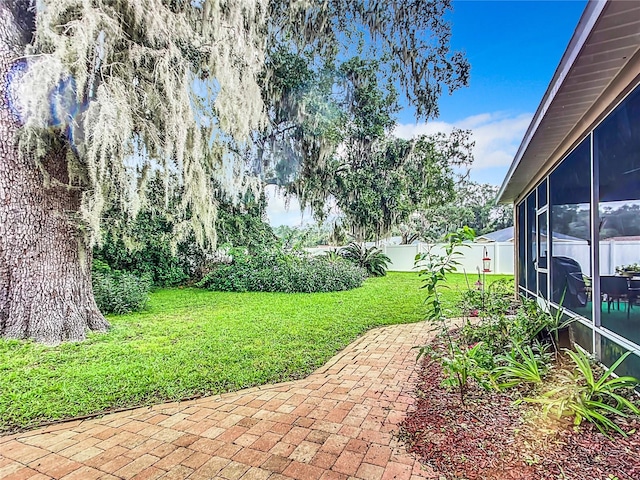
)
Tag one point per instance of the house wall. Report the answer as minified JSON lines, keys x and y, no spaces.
{"x":593,"y":194}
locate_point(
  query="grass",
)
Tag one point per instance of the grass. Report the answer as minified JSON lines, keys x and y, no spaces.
{"x":192,"y":342}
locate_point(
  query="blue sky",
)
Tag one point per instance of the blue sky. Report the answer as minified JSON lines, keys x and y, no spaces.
{"x":514,"y":48}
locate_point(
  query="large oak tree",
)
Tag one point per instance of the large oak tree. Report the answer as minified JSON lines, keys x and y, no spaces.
{"x":98,"y":93}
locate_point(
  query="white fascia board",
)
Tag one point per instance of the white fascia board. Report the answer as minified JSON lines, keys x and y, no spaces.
{"x":585,"y":26}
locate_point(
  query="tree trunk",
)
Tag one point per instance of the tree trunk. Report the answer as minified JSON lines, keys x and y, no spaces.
{"x":45,"y":263}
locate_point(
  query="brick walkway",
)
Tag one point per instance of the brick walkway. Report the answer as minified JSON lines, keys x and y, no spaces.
{"x":338,"y":423}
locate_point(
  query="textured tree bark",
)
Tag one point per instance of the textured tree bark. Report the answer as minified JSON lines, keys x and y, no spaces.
{"x":45,"y":263}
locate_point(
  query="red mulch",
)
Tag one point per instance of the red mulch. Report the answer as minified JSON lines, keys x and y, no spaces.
{"x":491,"y":439}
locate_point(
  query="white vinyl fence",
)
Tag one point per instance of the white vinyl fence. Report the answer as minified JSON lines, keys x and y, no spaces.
{"x":403,"y":256}
{"x":613,"y":253}
{"x":501,"y":255}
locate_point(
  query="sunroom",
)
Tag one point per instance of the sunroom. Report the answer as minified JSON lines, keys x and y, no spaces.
{"x":575,"y":186}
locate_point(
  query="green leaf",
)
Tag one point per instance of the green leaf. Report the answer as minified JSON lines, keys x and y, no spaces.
{"x":611,"y":369}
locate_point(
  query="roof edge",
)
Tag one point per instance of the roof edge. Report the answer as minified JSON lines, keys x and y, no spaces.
{"x":585,"y":25}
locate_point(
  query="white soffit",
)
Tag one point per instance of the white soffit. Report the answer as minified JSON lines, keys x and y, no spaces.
{"x":605,"y":42}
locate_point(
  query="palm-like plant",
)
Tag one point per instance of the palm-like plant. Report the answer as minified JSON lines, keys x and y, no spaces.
{"x":333,"y":255}
{"x":371,"y":259}
{"x":520,"y":365}
{"x":584,"y":397}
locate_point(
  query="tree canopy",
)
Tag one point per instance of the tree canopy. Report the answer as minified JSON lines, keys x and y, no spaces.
{"x":374,"y":179}
{"x":472,"y":204}
{"x":182,"y":86}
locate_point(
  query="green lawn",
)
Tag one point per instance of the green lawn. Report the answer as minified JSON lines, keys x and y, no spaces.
{"x":193,"y":342}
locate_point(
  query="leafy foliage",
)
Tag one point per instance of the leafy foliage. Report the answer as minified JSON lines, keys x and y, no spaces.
{"x":242,"y":222}
{"x":520,"y":365}
{"x":435,"y":269}
{"x":276,"y":271}
{"x":463,"y":363}
{"x":471,"y":302}
{"x":318,"y":101}
{"x":153,"y":257}
{"x":333,"y":255}
{"x":369,"y":258}
{"x":375,"y":180}
{"x":459,"y":362}
{"x":517,"y":354}
{"x":501,"y":333}
{"x":584,"y":396}
{"x":510,"y":351}
{"x":88,"y":57}
{"x":148,"y":249}
{"x":380,"y":185}
{"x":300,"y":237}
{"x":470,"y":204}
{"x":237,"y":56}
{"x":119,"y":292}
{"x":487,"y":301}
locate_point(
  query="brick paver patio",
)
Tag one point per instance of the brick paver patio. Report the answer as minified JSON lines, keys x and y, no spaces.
{"x":338,"y":423}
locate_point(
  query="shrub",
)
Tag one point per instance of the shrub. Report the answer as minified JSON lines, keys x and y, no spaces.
{"x":584,"y":395}
{"x":276,"y":271}
{"x":459,"y":362}
{"x":520,"y":365}
{"x":501,"y":332}
{"x":119,"y":292}
{"x":332,"y":255}
{"x":371,"y":259}
{"x":496,"y":298}
{"x":471,"y":302}
{"x":99,"y":266}
{"x":152,"y":259}
{"x":150,"y":236}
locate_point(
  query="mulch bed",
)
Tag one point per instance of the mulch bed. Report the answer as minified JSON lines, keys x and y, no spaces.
{"x":489,"y":438}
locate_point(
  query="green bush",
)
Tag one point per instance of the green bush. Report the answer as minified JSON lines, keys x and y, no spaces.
{"x":152,"y":259}
{"x":501,"y":332}
{"x":471,"y":302}
{"x":496,"y":298}
{"x":150,"y":236}
{"x":119,"y":292}
{"x":276,"y":271}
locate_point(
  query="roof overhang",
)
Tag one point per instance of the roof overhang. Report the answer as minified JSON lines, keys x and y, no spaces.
{"x":601,"y":64}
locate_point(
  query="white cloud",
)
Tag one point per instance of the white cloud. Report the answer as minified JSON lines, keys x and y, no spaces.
{"x":281,"y":212}
{"x":496,"y":135}
{"x":410,"y":130}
